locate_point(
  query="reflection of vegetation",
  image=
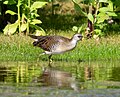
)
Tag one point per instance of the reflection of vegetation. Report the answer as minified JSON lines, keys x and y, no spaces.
{"x":101,"y":75}
{"x":115,"y":74}
{"x":2,"y":74}
{"x":17,"y":72}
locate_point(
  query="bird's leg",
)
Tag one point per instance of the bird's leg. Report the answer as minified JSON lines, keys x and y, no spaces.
{"x":50,"y":60}
{"x":40,"y":55}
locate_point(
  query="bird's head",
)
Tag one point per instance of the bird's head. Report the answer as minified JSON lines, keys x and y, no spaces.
{"x":77,"y":37}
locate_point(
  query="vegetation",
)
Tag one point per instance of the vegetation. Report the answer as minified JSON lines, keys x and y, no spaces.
{"x":60,"y":17}
{"x":95,"y":59}
{"x":96,"y":14}
{"x":27,"y":16}
{"x":20,"y":48}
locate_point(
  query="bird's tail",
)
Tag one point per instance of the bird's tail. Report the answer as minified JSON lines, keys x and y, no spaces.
{"x":35,"y":43}
{"x":36,"y":38}
{"x":33,"y":36}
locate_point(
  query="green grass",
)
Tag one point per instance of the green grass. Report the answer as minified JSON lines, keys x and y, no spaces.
{"x":20,"y":48}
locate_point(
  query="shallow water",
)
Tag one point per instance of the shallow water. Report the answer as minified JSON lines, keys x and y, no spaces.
{"x":64,"y":79}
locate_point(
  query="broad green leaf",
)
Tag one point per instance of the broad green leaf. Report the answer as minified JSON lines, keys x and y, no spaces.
{"x":111,"y":14}
{"x":90,"y":17}
{"x":37,"y":15}
{"x":37,"y":4}
{"x":101,"y":14}
{"x":97,"y":31}
{"x":10,"y":12}
{"x":102,"y":17}
{"x":23,"y":27}
{"x":39,"y":32}
{"x":78,"y":8}
{"x":105,"y":1}
{"x":36,"y":27}
{"x":35,"y":21}
{"x":100,"y":20}
{"x":34,"y":14}
{"x":75,"y":28}
{"x":10,"y":2}
{"x":10,"y":28}
{"x":104,"y":9}
{"x":110,"y":6}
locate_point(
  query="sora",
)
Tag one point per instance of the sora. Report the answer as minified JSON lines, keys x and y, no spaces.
{"x":56,"y":44}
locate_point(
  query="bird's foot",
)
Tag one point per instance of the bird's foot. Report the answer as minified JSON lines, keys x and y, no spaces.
{"x":40,"y":55}
{"x":50,"y":62}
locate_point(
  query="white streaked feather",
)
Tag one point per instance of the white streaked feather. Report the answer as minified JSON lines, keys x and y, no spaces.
{"x":35,"y":39}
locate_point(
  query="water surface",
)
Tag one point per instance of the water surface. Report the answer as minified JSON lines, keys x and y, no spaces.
{"x":64,"y":79}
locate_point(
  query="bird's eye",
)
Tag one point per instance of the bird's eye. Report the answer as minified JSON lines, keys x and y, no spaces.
{"x":79,"y":36}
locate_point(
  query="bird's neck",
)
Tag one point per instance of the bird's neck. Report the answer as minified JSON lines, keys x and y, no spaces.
{"x":74,"y":41}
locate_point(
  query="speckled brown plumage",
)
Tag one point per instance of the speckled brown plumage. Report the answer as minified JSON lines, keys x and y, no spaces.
{"x":48,"y":43}
{"x":56,"y":44}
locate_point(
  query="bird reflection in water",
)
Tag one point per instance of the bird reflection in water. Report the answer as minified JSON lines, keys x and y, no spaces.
{"x":60,"y":79}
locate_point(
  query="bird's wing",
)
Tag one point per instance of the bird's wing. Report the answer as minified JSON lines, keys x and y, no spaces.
{"x":49,"y":42}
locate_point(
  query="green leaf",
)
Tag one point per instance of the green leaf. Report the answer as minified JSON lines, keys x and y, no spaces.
{"x":102,"y":17}
{"x":35,"y":21}
{"x":75,"y":28}
{"x":110,"y":6}
{"x":78,"y":8}
{"x":90,"y":17}
{"x":10,"y":2}
{"x":34,"y":14}
{"x":36,"y":27}
{"x":37,"y":4}
{"x":23,"y":27}
{"x":104,"y":9}
{"x":10,"y":12}
{"x":49,"y":0}
{"x":97,"y":31}
{"x":76,"y":1}
{"x":111,"y":14}
{"x":23,"y":16}
{"x":10,"y":28}
{"x":80,"y":28}
{"x":105,"y":1}
{"x":39,"y":32}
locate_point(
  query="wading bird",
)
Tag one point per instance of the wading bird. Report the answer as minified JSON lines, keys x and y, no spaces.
{"x":56,"y":44}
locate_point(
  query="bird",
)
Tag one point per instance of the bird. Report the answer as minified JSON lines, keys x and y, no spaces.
{"x":55,"y":44}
